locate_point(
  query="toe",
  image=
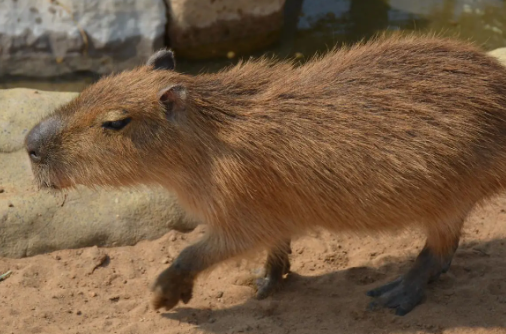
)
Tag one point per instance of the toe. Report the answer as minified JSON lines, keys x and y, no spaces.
{"x":266,"y":287}
{"x":405,"y":308}
{"x":384,"y":288}
{"x":410,"y":302}
{"x":160,"y":301}
{"x":186,"y":295}
{"x":401,"y":311}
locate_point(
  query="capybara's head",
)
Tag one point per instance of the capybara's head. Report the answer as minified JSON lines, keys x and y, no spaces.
{"x":119,"y":131}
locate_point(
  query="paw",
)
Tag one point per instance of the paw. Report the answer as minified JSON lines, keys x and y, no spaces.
{"x":171,"y":287}
{"x":268,"y":285}
{"x":401,"y":295}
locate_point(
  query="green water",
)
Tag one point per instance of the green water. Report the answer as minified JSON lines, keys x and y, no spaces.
{"x":317,"y":25}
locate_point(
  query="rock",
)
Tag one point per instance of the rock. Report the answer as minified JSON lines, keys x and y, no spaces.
{"x":41,"y":38}
{"x":205,"y":29}
{"x":499,"y":54}
{"x":21,"y":110}
{"x":39,"y":222}
{"x":97,"y":257}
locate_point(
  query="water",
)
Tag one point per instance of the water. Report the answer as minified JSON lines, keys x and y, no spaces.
{"x":313,"y":26}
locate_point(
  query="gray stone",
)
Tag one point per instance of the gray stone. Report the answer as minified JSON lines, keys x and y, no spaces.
{"x":34,"y":222}
{"x":41,"y":38}
{"x":204,"y":29}
{"x":20,"y":110}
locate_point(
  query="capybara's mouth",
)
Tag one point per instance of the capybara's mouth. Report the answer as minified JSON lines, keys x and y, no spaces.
{"x":51,"y":186}
{"x":48,"y":180}
{"x":59,"y":185}
{"x":48,"y":185}
{"x":55,"y":188}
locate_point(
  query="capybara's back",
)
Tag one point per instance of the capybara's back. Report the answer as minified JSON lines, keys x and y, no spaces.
{"x":376,"y":137}
{"x":395,"y":132}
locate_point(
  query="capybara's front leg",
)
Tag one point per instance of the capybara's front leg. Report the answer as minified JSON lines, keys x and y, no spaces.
{"x":175,"y":283}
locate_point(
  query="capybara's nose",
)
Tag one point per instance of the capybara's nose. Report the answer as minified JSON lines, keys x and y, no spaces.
{"x":36,"y":140}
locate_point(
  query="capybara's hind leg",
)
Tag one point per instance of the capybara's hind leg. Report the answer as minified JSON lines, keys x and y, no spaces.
{"x":406,"y":292}
{"x":175,"y":283}
{"x":277,"y":265}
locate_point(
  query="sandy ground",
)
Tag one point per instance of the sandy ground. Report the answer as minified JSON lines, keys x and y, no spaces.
{"x":99,"y":290}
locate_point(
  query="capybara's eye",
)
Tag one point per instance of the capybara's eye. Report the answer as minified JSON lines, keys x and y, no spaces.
{"x":116,"y":125}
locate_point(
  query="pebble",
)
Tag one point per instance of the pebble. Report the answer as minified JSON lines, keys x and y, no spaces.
{"x":114,"y":298}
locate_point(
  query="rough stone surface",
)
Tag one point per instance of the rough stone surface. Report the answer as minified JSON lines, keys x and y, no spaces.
{"x":34,"y":222}
{"x":499,"y":54}
{"x":20,"y":110}
{"x":41,"y":38}
{"x":204,"y":29}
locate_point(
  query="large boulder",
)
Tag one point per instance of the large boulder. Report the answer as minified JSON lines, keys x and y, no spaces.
{"x":205,"y":29}
{"x":499,"y":54}
{"x":41,"y":38}
{"x":34,"y":222}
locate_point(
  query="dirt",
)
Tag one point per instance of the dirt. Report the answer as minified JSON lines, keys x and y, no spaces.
{"x":107,"y":290}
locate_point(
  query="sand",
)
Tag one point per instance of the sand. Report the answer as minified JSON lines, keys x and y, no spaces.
{"x":107,"y":290}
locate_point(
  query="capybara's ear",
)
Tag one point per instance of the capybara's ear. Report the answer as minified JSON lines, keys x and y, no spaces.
{"x":162,"y":60}
{"x":173,"y":98}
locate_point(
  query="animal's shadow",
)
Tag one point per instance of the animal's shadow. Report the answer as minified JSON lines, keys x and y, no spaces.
{"x":472,"y":294}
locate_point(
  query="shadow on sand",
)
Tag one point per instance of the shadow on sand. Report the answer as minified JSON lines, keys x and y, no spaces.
{"x":471,"y":295}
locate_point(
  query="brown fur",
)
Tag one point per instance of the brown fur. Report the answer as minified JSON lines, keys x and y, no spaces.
{"x":394,"y":132}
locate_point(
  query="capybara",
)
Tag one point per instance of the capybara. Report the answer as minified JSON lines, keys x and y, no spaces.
{"x":383,"y":135}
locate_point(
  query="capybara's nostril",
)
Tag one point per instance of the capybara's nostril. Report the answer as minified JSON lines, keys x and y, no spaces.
{"x":33,"y":143}
{"x":36,"y":140}
{"x":34,"y":156}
